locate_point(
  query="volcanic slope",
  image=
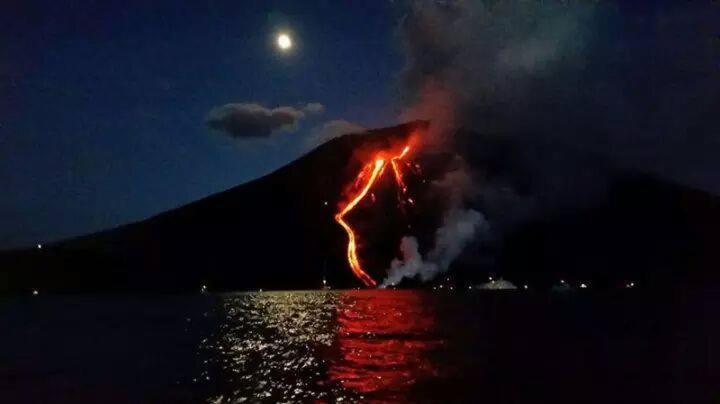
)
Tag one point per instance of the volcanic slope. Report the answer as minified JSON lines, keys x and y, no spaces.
{"x":279,"y":232}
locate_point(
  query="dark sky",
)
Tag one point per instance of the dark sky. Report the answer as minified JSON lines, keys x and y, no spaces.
{"x":103,"y":104}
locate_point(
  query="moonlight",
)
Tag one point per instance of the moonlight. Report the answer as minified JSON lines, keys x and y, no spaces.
{"x":284,"y":42}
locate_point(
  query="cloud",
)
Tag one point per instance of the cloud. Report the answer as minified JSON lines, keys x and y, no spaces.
{"x":330,"y":130}
{"x":252,"y":120}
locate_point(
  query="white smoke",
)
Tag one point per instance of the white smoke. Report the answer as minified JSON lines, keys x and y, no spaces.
{"x":458,"y":229}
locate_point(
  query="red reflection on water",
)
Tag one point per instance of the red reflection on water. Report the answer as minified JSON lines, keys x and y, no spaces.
{"x":384,"y":338}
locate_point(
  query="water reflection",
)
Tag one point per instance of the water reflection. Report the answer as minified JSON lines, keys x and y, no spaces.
{"x":383,"y":340}
{"x":320,"y":346}
{"x":266,"y":347}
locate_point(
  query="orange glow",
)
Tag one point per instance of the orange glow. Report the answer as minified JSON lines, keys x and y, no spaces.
{"x":369,"y":174}
{"x":396,"y":169}
{"x":397,"y":355}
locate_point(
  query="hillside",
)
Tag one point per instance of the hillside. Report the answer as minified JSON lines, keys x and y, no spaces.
{"x":278,"y":232}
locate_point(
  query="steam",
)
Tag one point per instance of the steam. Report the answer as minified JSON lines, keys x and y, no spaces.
{"x":458,"y":229}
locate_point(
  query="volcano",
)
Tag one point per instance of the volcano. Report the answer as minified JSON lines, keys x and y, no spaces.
{"x":278,"y":231}
{"x":281,"y":231}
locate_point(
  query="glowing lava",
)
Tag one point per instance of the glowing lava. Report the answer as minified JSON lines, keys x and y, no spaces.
{"x":397,"y":171}
{"x":370,"y":174}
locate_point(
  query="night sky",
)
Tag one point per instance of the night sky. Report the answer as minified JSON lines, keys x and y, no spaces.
{"x":103,"y":104}
{"x":111,"y":112}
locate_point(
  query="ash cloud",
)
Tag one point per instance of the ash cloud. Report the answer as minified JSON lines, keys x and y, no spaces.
{"x":252,"y":120}
{"x":636,"y":82}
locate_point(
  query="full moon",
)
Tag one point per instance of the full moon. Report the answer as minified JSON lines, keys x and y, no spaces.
{"x":284,"y":42}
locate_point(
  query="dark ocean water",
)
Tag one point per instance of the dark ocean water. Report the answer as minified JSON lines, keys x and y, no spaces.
{"x":362,"y":346}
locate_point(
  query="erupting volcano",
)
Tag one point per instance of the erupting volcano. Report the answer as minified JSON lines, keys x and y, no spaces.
{"x":370,"y":174}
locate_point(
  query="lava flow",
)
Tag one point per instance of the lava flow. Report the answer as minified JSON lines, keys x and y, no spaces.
{"x":371,"y":172}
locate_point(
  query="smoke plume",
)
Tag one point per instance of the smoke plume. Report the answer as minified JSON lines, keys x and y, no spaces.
{"x":629,"y":83}
{"x":634,"y":81}
{"x":458,"y":228}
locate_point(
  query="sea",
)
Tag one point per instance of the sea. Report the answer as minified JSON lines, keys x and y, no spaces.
{"x":374,"y":346}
